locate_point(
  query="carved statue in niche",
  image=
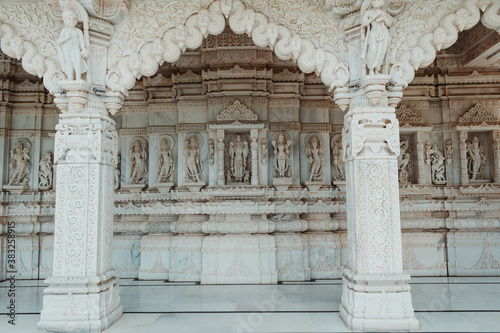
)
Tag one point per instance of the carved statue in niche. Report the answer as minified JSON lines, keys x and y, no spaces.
{"x":194,"y":166}
{"x":427,"y":151}
{"x":314,"y":153}
{"x":404,"y":160}
{"x":45,"y":171}
{"x":73,"y":47}
{"x":338,"y":157}
{"x":375,"y":22}
{"x":238,"y":153}
{"x":437,"y":166}
{"x":165,"y":167}
{"x":449,"y":152}
{"x":138,"y":162}
{"x":20,"y":165}
{"x":477,"y":159}
{"x":263,"y":151}
{"x":117,"y":173}
{"x":211,"y":151}
{"x":282,"y":155}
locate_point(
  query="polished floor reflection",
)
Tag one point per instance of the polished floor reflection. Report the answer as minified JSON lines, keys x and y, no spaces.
{"x":459,"y":304}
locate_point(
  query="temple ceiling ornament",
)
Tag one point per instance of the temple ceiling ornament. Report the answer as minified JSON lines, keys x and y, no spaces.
{"x":149,"y":33}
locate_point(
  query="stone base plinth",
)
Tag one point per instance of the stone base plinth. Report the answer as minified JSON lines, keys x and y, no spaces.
{"x":314,"y":186}
{"x":185,"y":258}
{"x":16,"y":189}
{"x":377,"y":303}
{"x":134,"y":188}
{"x":72,"y":306}
{"x":237,"y":259}
{"x":163,"y":187}
{"x":194,"y":186}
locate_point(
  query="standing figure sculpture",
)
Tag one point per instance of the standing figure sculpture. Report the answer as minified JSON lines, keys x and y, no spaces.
{"x":263,"y":151}
{"x":375,"y":22}
{"x":73,"y":47}
{"x":45,"y":171}
{"x":403,"y":161}
{"x":437,"y":166}
{"x":449,"y":152}
{"x":238,"y":154}
{"x":138,"y":163}
{"x":282,"y":155}
{"x":211,"y":151}
{"x":194,"y":167}
{"x":477,"y":158}
{"x":20,"y":165}
{"x":165,"y":167}
{"x":314,"y":152}
{"x":428,"y":151}
{"x":338,"y":159}
{"x":117,"y":173}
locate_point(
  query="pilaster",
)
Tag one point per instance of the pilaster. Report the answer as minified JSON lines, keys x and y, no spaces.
{"x":464,"y":172}
{"x":495,"y":138}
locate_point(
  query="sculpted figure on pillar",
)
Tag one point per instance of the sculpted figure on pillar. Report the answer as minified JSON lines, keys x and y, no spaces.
{"x":211,"y":151}
{"x":194,"y":166}
{"x":45,"y":171}
{"x":437,"y":166}
{"x":338,"y":157}
{"x":314,"y":152}
{"x":375,"y":22}
{"x":238,"y":152}
{"x":428,"y":151}
{"x":20,"y":164}
{"x":477,"y":159}
{"x":404,"y":161}
{"x":138,"y":162}
{"x":165,"y":167}
{"x":263,"y":151}
{"x":282,"y":155}
{"x":73,"y":47}
{"x":117,"y":173}
{"x":449,"y":152}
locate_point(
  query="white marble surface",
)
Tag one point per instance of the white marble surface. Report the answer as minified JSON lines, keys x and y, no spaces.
{"x":447,"y":304}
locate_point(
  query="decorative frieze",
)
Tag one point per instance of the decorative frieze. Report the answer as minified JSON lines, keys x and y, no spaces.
{"x":284,"y":126}
{"x":183,"y":128}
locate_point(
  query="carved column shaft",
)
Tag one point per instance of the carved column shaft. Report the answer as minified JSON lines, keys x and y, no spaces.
{"x":254,"y":134}
{"x":495,"y":136}
{"x":464,"y":173}
{"x":220,"y":157}
{"x":86,"y":146}
{"x":374,"y":285}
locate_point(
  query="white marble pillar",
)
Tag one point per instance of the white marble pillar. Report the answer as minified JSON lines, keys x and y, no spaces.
{"x":254,"y":134}
{"x":464,"y":172}
{"x":376,"y":294}
{"x":220,"y":157}
{"x":83,"y":293}
{"x":495,"y":138}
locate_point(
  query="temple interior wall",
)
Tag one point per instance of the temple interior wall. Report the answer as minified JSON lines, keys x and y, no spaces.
{"x":449,"y":216}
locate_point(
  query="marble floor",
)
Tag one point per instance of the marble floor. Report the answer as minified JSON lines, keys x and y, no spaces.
{"x":454,"y":304}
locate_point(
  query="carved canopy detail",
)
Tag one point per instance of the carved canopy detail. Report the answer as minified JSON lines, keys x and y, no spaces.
{"x":478,"y":115}
{"x":237,"y":111}
{"x":407,"y":117}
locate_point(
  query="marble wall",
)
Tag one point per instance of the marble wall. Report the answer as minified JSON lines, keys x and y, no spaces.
{"x":250,"y":225}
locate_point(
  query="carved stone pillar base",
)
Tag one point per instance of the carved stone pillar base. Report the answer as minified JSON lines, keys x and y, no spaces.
{"x":377,"y":302}
{"x":80,"y":305}
{"x":194,"y":186}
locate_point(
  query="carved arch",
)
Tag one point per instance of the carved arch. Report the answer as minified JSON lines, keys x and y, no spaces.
{"x":130,"y":60}
{"x":29,"y":32}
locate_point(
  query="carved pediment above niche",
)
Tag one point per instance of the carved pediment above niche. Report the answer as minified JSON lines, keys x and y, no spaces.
{"x":478,"y":115}
{"x":237,"y":111}
{"x":407,"y":117}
